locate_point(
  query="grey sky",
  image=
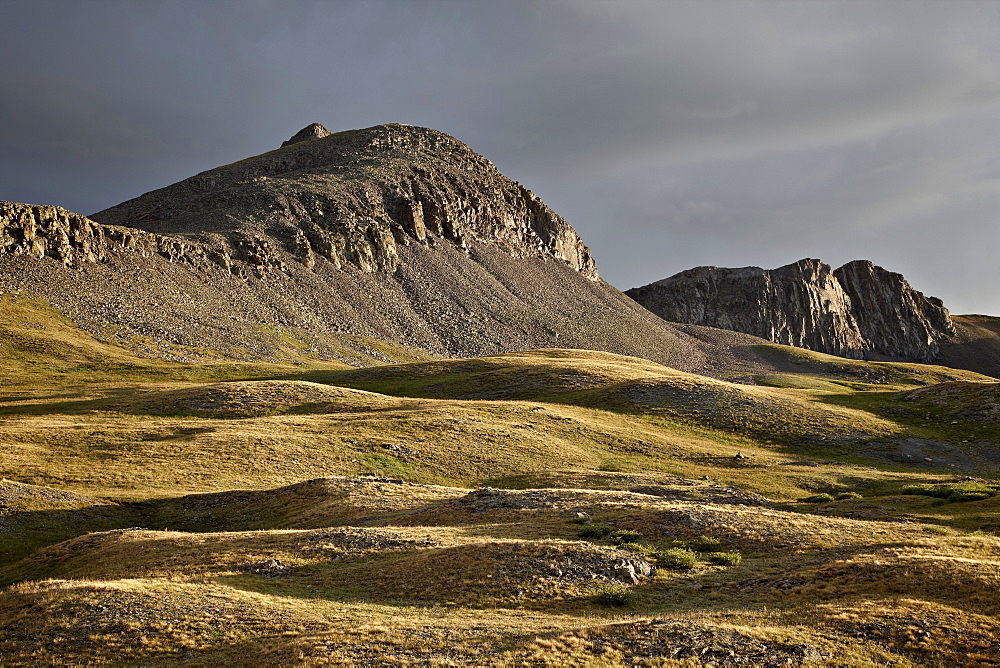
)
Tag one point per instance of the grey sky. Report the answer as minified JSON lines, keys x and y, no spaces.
{"x":670,"y":134}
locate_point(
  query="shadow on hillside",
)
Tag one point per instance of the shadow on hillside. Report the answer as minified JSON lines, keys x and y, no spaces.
{"x":42,"y":405}
{"x":75,"y":402}
{"x":760,"y":579}
{"x":23,"y":532}
{"x":766,"y":575}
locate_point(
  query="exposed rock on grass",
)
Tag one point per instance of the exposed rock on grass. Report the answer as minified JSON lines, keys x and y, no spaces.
{"x":650,"y":642}
{"x":712,"y":494}
{"x":489,"y":499}
{"x":352,"y":541}
{"x":269,"y":567}
{"x":16,"y":496}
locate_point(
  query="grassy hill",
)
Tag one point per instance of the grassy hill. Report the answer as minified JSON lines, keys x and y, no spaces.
{"x":40,"y":348}
{"x":556,"y":507}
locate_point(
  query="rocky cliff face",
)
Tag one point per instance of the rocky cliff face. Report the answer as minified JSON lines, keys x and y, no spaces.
{"x":896,"y":320}
{"x":858,"y":311}
{"x":387,"y":243}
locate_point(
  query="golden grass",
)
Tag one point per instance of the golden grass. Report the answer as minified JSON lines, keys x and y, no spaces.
{"x":811,"y":589}
{"x":231,"y":466}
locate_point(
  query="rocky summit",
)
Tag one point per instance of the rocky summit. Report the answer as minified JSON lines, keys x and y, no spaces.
{"x":858,"y":311}
{"x":308,"y":133}
{"x":386,"y":243}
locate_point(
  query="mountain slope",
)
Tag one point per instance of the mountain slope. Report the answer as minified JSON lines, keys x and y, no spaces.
{"x":354,"y":198}
{"x":388,"y":244}
{"x":601,"y":501}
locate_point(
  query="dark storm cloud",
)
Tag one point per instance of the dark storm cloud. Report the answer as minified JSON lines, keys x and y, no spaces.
{"x":669,"y":133}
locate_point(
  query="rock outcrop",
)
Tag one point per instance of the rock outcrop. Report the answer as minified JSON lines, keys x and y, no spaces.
{"x":49,"y":231}
{"x":308,"y":133}
{"x":859,"y":310}
{"x":896,"y":321}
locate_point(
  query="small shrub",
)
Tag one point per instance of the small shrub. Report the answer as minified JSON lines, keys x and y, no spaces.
{"x":939,"y":530}
{"x":706,"y":544}
{"x":612,"y":595}
{"x":938,"y":491}
{"x":818,"y":498}
{"x":971,"y":488}
{"x":625,"y":536}
{"x":676,"y":559}
{"x":637,"y":548}
{"x":595,"y":531}
{"x":955,"y":493}
{"x":843,"y":496}
{"x":724,"y":558}
{"x":962,"y":495}
{"x":581,"y":520}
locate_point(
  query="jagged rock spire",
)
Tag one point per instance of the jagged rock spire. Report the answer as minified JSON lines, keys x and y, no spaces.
{"x":308,"y":133}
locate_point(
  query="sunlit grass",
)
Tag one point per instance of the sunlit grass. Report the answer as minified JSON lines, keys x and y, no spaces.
{"x":605,"y":462}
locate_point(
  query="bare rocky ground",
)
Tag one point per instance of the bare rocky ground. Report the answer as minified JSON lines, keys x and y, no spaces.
{"x":440,"y":302}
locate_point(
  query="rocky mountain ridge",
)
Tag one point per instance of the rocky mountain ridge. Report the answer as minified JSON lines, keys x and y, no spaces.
{"x":387,"y":243}
{"x":859,"y":311}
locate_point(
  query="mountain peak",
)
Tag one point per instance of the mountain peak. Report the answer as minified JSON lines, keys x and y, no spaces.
{"x":356,"y":198}
{"x":308,"y":133}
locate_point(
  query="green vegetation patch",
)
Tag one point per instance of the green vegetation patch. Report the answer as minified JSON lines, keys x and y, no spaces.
{"x":613,"y":595}
{"x":954,"y":492}
{"x":724,"y":558}
{"x":676,"y":559}
{"x":705,"y":544}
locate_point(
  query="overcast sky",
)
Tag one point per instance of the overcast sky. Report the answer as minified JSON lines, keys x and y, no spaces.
{"x":670,"y":134}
